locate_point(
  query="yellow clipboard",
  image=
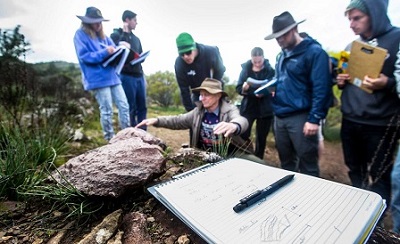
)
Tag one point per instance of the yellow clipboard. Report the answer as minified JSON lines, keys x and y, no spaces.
{"x":365,"y":60}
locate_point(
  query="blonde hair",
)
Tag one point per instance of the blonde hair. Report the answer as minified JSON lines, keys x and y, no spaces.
{"x":87,"y":28}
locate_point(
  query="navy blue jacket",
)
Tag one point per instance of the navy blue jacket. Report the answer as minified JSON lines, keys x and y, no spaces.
{"x":303,"y":82}
{"x":191,"y":76}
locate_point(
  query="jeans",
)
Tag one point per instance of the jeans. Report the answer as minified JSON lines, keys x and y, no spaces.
{"x":297,"y":152}
{"x":368,"y":153}
{"x":135,"y":90}
{"x":262,"y":129}
{"x":395,"y":206}
{"x":105,"y":97}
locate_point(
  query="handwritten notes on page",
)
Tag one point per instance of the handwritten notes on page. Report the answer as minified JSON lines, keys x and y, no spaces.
{"x":308,"y":210}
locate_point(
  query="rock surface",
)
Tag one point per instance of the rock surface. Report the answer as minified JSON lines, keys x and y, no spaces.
{"x":112,"y":170}
{"x":105,"y":230}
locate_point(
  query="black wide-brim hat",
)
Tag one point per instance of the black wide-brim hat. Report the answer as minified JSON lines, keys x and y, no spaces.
{"x":282,"y":24}
{"x":93,"y":15}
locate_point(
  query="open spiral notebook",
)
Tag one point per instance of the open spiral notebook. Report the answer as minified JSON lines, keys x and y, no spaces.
{"x":308,"y":210}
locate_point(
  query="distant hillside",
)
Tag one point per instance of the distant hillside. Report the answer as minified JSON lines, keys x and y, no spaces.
{"x":59,"y":65}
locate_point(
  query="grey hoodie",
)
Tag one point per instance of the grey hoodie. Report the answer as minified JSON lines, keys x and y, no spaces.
{"x":380,"y":106}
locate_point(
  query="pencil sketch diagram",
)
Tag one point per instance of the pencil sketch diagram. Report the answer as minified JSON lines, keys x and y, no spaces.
{"x":274,"y":227}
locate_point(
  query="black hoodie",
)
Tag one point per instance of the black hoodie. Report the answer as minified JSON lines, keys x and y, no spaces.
{"x":380,"y":106}
{"x":136,"y":49}
{"x":208,"y":63}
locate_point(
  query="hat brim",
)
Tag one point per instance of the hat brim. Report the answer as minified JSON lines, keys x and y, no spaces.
{"x":187,"y":49}
{"x":210,"y":90}
{"x":282,"y":32}
{"x":88,"y":20}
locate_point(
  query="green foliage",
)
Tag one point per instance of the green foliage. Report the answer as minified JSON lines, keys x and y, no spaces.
{"x":62,"y":196}
{"x":154,"y":110}
{"x":17,"y":78}
{"x":231,"y":91}
{"x":221,"y":146}
{"x":12,"y":43}
{"x":162,"y":87}
{"x":17,"y":89}
{"x":26,"y":156}
{"x":334,"y":119}
{"x":332,"y":133}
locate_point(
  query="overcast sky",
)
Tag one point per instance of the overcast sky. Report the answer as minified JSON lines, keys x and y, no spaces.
{"x":235,"y":26}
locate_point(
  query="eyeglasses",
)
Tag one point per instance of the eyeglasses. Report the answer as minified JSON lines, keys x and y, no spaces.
{"x":186,"y":53}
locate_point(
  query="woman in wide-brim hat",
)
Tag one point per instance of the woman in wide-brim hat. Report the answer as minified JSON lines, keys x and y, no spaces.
{"x":92,"y":47}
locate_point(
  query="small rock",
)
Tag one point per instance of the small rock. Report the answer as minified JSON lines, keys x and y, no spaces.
{"x":38,"y":241}
{"x":170,"y":240}
{"x":6,"y":238}
{"x":57,"y":213}
{"x":183,"y":239}
{"x":150,"y":219}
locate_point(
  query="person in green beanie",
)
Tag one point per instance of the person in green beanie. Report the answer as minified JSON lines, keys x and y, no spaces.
{"x":195,"y":63}
{"x":370,"y":121}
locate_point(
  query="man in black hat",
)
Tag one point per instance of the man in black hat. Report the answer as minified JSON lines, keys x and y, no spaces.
{"x":303,"y":94}
{"x":132,"y":76}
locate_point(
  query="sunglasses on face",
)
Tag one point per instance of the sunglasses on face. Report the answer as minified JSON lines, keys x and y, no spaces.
{"x":186,"y":53}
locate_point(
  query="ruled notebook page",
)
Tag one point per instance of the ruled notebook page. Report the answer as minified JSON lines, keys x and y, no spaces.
{"x":306,"y":210}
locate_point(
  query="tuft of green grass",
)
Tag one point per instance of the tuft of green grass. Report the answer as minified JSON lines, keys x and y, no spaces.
{"x":26,"y":156}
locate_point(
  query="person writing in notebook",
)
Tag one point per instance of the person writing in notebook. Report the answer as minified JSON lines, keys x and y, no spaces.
{"x":369,"y":130}
{"x":195,"y":63}
{"x":92,"y":47}
{"x":256,"y":108}
{"x":132,"y":77}
{"x":303,"y":95}
{"x":215,"y":124}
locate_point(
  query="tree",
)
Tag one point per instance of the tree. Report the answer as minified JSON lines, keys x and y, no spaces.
{"x":13,"y":43}
{"x":162,"y":88}
{"x":16,"y":79}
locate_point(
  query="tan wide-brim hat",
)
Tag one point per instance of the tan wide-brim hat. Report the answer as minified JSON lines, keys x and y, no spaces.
{"x":212,"y":86}
{"x":282,"y":24}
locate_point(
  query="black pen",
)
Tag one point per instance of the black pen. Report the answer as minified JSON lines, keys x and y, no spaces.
{"x":260,"y":194}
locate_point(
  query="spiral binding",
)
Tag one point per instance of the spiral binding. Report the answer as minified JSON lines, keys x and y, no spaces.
{"x":189,"y":173}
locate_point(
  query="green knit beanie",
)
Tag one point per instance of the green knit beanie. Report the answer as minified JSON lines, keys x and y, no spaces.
{"x":185,"y":43}
{"x":357,"y":4}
